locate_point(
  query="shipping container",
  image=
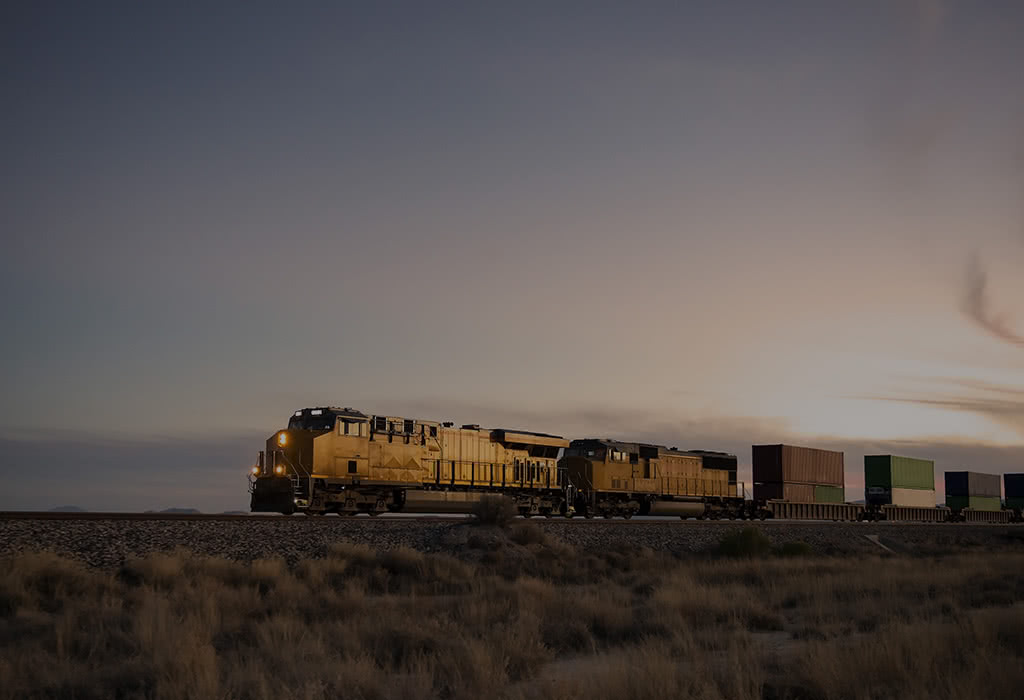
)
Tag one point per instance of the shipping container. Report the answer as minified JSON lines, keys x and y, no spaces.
{"x":1014,"y":484}
{"x":972,"y":484}
{"x":974,"y":502}
{"x":795,"y":493}
{"x":922,"y":498}
{"x":892,"y":472}
{"x":774,"y":464}
{"x":829,"y":494}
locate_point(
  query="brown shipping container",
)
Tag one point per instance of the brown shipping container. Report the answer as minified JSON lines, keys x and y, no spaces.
{"x":794,"y":493}
{"x":806,"y":465}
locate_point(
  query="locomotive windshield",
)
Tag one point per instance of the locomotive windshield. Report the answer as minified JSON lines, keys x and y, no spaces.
{"x":309,"y":422}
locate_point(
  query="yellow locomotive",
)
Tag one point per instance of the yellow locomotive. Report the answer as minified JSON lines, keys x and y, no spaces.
{"x":615,"y":478}
{"x":340,"y":460}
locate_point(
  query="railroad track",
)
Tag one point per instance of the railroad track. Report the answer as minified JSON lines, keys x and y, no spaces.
{"x":58,"y":515}
{"x":385,"y":518}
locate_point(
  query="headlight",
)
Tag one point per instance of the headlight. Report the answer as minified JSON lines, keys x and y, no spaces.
{"x":255,"y":471}
{"x":282,"y":439}
{"x":279,"y":469}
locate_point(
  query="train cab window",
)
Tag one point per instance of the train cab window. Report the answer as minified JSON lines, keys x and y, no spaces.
{"x":353,"y":428}
{"x":433,"y":431}
{"x":409,"y":427}
{"x":634,"y":457}
{"x":380,"y":424}
{"x":352,"y":466}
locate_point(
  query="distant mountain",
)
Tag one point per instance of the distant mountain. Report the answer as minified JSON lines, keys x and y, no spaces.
{"x":181,"y":510}
{"x":235,"y":512}
{"x":68,"y":509}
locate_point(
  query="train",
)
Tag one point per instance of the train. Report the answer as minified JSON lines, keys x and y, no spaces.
{"x":343,"y":461}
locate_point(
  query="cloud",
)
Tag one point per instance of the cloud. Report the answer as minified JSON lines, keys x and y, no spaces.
{"x":1003,"y":405}
{"x":99,"y":473}
{"x":978,"y":306}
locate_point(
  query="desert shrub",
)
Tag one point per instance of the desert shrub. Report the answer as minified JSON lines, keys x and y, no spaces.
{"x":495,"y":510}
{"x":794,"y":549}
{"x":748,"y":542}
{"x":527,"y":533}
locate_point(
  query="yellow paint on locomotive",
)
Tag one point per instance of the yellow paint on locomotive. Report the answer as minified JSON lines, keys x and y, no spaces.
{"x":342,"y":450}
{"x":611,"y":466}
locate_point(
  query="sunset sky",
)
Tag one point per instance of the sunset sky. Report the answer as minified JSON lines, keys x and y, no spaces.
{"x":706,"y":224}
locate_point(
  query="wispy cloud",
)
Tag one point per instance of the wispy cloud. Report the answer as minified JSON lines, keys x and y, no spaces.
{"x":978,"y":306}
{"x":1003,"y":405}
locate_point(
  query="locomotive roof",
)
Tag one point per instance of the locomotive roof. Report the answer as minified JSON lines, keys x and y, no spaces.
{"x":635,"y":447}
{"x":332,"y":410}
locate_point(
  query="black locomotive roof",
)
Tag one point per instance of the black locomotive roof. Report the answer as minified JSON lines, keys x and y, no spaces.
{"x":530,"y":432}
{"x":331,"y":410}
{"x":619,"y":445}
{"x":637,"y":446}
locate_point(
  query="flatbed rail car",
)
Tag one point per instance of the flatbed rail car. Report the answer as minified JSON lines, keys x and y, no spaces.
{"x":919,"y":514}
{"x":969,"y":515}
{"x":849,"y":512}
{"x":787,"y":510}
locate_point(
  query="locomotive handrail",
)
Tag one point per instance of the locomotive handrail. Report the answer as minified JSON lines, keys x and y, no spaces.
{"x":307,"y":474}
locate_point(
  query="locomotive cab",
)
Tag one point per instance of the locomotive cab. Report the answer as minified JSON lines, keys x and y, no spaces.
{"x":281,"y":481}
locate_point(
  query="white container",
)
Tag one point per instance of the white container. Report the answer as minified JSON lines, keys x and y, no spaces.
{"x":924,"y":498}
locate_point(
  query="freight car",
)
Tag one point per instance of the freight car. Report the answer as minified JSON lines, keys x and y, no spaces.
{"x":614,"y":478}
{"x":340,"y":460}
{"x":974,"y":497}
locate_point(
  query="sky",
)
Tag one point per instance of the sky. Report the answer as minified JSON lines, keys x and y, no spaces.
{"x":706,"y":224}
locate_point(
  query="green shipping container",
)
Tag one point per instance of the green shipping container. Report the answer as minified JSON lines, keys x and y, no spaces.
{"x":892,"y":472}
{"x":829,"y":494}
{"x":1016,"y":503}
{"x":974,"y":502}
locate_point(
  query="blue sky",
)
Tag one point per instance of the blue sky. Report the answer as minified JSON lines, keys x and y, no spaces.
{"x":712,"y":222}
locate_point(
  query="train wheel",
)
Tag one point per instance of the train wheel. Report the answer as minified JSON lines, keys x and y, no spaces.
{"x":628,"y":514}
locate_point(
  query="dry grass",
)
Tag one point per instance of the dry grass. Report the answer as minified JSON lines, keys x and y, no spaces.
{"x":495,"y":510}
{"x":531,"y":619}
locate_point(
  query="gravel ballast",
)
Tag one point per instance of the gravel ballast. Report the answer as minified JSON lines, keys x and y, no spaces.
{"x":109,"y":543}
